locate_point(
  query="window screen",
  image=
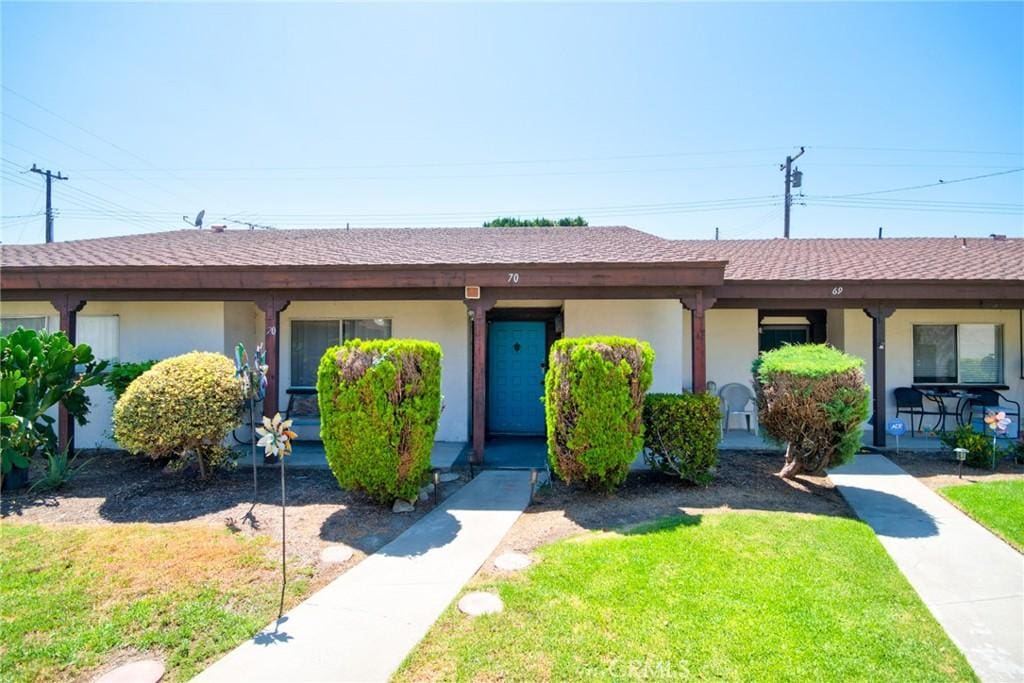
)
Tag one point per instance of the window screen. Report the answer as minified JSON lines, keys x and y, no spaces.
{"x":375,"y":328}
{"x":980,"y":354}
{"x":9,"y":324}
{"x":958,"y":354}
{"x":310,"y":338}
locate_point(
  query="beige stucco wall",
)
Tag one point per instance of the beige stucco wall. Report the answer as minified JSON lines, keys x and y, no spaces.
{"x":151,"y":329}
{"x":444,"y":322}
{"x":899,"y":356}
{"x":659,"y":322}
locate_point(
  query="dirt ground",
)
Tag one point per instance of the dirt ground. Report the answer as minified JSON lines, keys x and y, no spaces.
{"x":116,"y":488}
{"x":936,"y":469}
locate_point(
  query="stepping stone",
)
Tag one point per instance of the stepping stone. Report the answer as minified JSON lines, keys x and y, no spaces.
{"x":142,"y":671}
{"x":448,"y":477}
{"x":511,"y":562}
{"x":336,"y":554}
{"x":480,"y":603}
{"x":402,"y":506}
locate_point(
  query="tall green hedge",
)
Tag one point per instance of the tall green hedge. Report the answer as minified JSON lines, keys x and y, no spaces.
{"x":681,"y":433}
{"x":594,"y":392}
{"x":813,"y":398}
{"x":379,"y":406}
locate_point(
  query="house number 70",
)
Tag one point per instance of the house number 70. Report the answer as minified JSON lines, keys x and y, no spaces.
{"x":513,"y":278}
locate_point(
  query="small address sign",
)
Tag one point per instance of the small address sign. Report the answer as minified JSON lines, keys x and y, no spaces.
{"x":513,"y":278}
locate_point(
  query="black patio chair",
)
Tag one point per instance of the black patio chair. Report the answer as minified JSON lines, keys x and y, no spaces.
{"x":990,"y":398}
{"x":911,"y":402}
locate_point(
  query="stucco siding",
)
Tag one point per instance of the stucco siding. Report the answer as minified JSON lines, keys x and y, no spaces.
{"x":444,"y":322}
{"x":659,"y":322}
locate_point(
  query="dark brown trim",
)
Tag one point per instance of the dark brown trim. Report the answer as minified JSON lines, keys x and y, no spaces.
{"x":478,"y":309}
{"x":68,"y":307}
{"x":878,"y":315}
{"x":698,"y":304}
{"x":272,"y":307}
{"x":837,"y":294}
{"x":710,"y":273}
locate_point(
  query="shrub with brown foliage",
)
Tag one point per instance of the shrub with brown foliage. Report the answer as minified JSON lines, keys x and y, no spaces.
{"x":813,"y":398}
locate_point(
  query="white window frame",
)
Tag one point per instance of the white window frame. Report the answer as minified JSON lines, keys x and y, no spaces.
{"x":44,"y":318}
{"x":1001,"y":347}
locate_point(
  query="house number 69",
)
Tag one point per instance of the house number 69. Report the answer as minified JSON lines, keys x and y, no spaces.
{"x":836,"y":291}
{"x":513,"y":278}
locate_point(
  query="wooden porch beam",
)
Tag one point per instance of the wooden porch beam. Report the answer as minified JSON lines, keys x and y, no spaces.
{"x":67,"y":306}
{"x":272,"y":306}
{"x":478,"y":310}
{"x":698,"y":303}
{"x":878,"y":315}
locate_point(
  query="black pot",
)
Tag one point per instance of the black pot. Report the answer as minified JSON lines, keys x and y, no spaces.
{"x":15,"y":479}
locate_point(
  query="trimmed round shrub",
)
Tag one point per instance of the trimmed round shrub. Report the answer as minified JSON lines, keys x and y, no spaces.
{"x":593,"y":402}
{"x":813,"y":398}
{"x":379,"y":406}
{"x":181,"y":408}
{"x":681,"y":433}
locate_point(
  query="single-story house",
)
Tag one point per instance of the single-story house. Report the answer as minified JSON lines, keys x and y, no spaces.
{"x":922,"y":312}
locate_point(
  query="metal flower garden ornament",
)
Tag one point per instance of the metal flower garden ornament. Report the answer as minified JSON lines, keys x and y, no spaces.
{"x":998,"y":422}
{"x":276,"y":438}
{"x":253,"y":378}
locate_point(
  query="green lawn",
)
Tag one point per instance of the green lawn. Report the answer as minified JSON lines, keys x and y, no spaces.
{"x":735,"y":596}
{"x":71,"y":597}
{"x":999,"y":505}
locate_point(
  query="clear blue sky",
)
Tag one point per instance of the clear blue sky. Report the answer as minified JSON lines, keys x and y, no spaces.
{"x":314,"y":115}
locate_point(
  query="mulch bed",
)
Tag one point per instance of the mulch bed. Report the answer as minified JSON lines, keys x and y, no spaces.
{"x":936,"y":469}
{"x":116,"y":488}
{"x":744,"y":481}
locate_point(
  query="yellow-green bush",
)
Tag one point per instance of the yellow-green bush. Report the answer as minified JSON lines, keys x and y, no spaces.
{"x":593,"y":402}
{"x":379,"y":406}
{"x":681,"y":433}
{"x":182,"y":407}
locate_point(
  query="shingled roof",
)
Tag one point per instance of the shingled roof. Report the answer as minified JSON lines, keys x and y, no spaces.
{"x":822,"y":259}
{"x":356,"y":247}
{"x":900,"y":258}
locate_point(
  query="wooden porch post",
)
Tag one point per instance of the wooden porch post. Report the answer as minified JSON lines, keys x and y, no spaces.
{"x":67,"y":306}
{"x":878,"y":314}
{"x":478,"y":309}
{"x":272,"y":307}
{"x":698,"y":304}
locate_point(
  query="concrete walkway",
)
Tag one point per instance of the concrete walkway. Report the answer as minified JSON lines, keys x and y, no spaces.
{"x":362,"y":625}
{"x":971,"y":580}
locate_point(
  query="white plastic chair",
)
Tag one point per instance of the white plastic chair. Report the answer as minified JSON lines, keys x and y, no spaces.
{"x":737,"y":399}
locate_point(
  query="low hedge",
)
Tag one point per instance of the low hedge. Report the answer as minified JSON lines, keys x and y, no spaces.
{"x":594,"y":390}
{"x":813,"y":398}
{"x":379,"y":404}
{"x":681,"y":433}
{"x":181,"y":408}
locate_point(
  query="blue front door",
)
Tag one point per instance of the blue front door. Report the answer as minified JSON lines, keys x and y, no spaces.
{"x":515,"y":377}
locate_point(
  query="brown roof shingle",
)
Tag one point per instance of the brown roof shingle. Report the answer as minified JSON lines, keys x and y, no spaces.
{"x":356,"y":247}
{"x":900,"y":258}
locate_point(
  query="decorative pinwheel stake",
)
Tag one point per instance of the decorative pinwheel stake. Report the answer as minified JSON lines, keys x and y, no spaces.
{"x":253,"y":378}
{"x":276,"y":438}
{"x":997,"y":421}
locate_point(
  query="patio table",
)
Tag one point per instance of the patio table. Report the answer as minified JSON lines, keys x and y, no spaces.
{"x":938,"y":397}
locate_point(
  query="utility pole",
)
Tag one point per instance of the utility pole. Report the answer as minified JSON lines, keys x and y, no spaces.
{"x":794,"y":178}
{"x":50,"y":177}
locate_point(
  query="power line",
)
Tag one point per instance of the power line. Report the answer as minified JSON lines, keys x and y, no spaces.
{"x":917,"y":150}
{"x":920,"y":187}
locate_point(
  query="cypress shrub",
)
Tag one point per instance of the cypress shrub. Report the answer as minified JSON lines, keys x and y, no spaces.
{"x":681,"y":433}
{"x":380,"y":402}
{"x":813,"y":398}
{"x":594,"y":390}
{"x":181,"y":408}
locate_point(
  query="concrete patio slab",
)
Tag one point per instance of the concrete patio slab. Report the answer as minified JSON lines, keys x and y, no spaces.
{"x":311,"y":454}
{"x":971,"y":580}
{"x":362,"y":625}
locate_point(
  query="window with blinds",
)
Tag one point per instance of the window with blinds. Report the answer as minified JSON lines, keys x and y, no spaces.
{"x":9,"y":324}
{"x":958,"y":354}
